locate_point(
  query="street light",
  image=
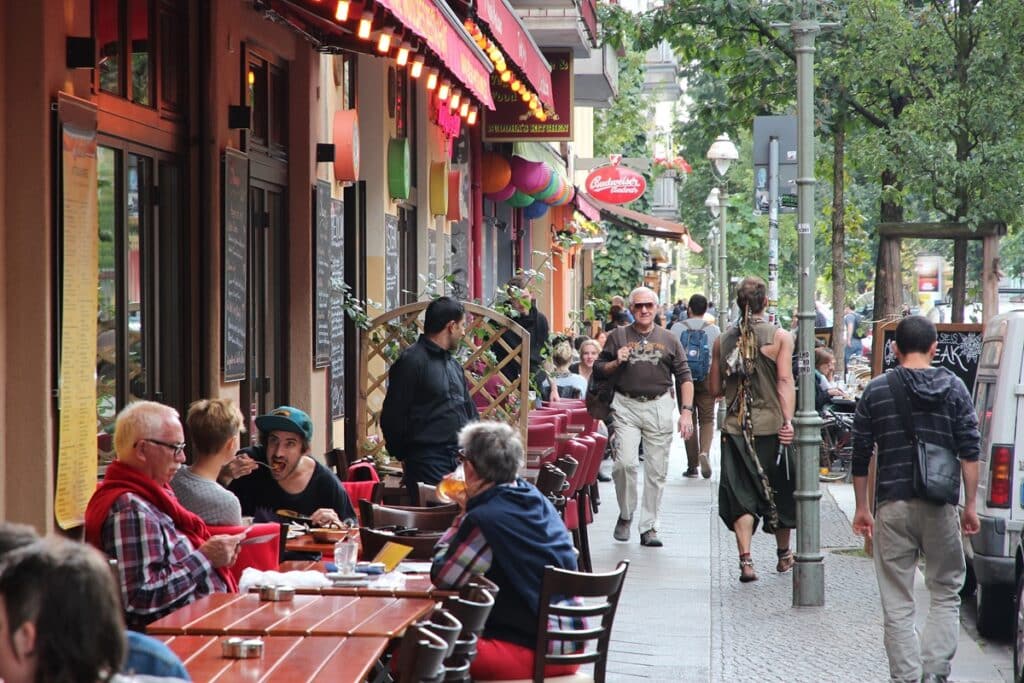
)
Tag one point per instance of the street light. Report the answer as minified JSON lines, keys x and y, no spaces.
{"x":712,"y":260}
{"x":721,"y":154}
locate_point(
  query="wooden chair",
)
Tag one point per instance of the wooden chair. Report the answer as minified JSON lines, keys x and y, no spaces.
{"x":421,"y":656}
{"x":444,"y":624}
{"x":589,"y":624}
{"x":428,"y":495}
{"x":471,"y":607}
{"x":425,"y":519}
{"x":422,"y":544}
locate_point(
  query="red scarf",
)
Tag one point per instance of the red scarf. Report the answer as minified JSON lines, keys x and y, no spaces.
{"x":121,"y":479}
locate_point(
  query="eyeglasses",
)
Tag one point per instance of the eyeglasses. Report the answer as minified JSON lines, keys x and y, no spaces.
{"x":644,"y":304}
{"x":461,"y":455}
{"x":178,"y":448}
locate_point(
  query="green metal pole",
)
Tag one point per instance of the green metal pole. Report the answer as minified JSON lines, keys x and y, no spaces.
{"x":809,"y":571}
{"x":723,"y":281}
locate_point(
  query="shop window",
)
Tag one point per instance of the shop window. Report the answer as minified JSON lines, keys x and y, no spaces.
{"x":267,"y":95}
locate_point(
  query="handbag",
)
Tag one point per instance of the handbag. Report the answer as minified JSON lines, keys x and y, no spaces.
{"x":936,"y":468}
{"x":600,"y":392}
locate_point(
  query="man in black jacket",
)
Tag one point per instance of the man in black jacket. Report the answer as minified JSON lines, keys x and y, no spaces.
{"x":905,"y":526}
{"x":428,"y":401}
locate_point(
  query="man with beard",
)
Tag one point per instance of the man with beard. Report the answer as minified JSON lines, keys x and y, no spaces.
{"x":281,"y":473}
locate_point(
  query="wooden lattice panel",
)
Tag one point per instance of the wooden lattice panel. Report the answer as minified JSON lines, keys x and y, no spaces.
{"x":489,"y":334}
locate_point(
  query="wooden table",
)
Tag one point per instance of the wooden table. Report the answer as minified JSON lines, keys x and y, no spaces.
{"x":307,"y":544}
{"x":286,"y":659}
{"x":415,"y":586}
{"x":222,"y":614}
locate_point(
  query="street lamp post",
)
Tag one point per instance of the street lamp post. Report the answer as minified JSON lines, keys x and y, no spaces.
{"x":712,"y":263}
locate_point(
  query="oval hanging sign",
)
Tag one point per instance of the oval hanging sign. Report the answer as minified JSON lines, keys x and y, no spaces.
{"x":615,"y":184}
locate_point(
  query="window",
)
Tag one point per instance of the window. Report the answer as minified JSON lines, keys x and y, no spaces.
{"x":267,"y":95}
{"x":984,"y":397}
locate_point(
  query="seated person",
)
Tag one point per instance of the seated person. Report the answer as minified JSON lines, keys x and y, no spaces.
{"x":283,"y":475}
{"x":166,"y":555}
{"x":213,"y":426}
{"x":507,"y":532}
{"x":43,"y":584}
{"x":824,"y":389}
{"x":569,"y":384}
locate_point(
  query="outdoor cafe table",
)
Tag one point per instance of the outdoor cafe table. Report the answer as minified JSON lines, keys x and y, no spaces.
{"x":413,"y":586}
{"x":286,"y":659}
{"x":244,"y":614}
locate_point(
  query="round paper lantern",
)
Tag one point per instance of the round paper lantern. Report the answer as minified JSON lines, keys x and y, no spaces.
{"x":530,"y":176}
{"x":558,"y":196}
{"x":438,"y":188}
{"x":399,"y":173}
{"x":535,"y":210}
{"x":503,"y":194}
{"x":552,"y":187}
{"x":346,"y":145}
{"x":454,"y":212}
{"x":519,"y":200}
{"x":567,"y":198}
{"x":496,"y":173}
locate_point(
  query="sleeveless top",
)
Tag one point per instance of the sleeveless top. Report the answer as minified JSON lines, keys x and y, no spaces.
{"x":766,"y":413}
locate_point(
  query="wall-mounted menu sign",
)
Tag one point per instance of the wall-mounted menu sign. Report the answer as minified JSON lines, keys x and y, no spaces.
{"x":959,"y":348}
{"x":234,"y":286}
{"x":322,"y":274}
{"x":337,"y":309}
{"x":391,"y":262}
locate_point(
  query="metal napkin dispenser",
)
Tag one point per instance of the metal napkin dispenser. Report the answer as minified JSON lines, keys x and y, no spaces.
{"x":279,"y":593}
{"x":242,"y":648}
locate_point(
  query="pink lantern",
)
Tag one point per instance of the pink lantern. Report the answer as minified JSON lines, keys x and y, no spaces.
{"x":530,"y":176}
{"x":502,"y":194}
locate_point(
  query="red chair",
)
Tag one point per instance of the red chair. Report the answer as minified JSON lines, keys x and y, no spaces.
{"x":581,"y":418}
{"x":541,"y":436}
{"x":264,"y":555}
{"x":581,"y":452}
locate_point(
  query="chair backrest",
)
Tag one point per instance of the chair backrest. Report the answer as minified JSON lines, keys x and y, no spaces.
{"x":421,"y":655}
{"x":578,"y":416}
{"x":427,"y":494}
{"x":597,"y":444}
{"x":579,"y":451}
{"x":481,"y":581}
{"x":359,"y":491}
{"x":422,"y":543}
{"x":425,"y":519}
{"x":443,"y":623}
{"x":471,"y":607}
{"x":567,"y":464}
{"x":588,"y":624}
{"x":540,"y":434}
{"x":550,"y":480}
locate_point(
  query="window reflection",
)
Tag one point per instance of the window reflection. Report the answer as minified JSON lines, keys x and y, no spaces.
{"x":140,"y":44}
{"x":106,"y":342}
{"x":107,"y":29}
{"x":139,"y":180}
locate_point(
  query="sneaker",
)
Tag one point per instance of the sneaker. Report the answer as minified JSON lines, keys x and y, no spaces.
{"x":621,"y":532}
{"x":690,"y":472}
{"x":705,"y":466}
{"x":933,"y":678}
{"x":601,"y":476}
{"x":650,"y":539}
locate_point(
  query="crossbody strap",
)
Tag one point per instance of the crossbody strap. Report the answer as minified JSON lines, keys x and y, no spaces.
{"x":899,"y":396}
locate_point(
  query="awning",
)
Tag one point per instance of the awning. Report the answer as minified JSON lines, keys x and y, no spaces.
{"x":648,"y":225}
{"x":586,"y":208}
{"x":508,"y":30}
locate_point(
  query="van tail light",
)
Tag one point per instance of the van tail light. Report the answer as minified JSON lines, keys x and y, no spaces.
{"x":1000,"y":477}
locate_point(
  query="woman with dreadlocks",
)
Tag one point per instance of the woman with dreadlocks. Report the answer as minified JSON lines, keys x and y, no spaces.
{"x":752,"y":366}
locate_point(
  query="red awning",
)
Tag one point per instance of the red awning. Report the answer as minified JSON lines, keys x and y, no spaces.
{"x":441,"y":30}
{"x":655,"y":227}
{"x":507,"y":28}
{"x":586,"y":208}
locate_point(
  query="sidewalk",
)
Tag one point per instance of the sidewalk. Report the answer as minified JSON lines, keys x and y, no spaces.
{"x":684,"y":616}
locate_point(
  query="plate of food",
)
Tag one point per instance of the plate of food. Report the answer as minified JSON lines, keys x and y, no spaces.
{"x":325,"y":535}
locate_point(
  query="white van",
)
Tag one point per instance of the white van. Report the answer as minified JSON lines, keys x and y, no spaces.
{"x":994,"y":554}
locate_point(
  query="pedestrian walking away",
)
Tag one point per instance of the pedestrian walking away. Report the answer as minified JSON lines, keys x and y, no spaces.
{"x":752,"y":367}
{"x":646,"y":363}
{"x":898,"y":413}
{"x":697,"y":336}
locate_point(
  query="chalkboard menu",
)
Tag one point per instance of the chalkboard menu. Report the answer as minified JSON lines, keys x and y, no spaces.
{"x":234,"y":285}
{"x":322,"y":274}
{"x":959,"y":348}
{"x":337,"y":308}
{"x":391,"y":262}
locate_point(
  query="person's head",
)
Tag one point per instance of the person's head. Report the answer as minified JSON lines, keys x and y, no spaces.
{"x":602,"y":337}
{"x":751,"y":295}
{"x":590,"y":349}
{"x":824,"y":361}
{"x":444,"y":322}
{"x":214,"y":426}
{"x":643,"y":302}
{"x":561,"y":355}
{"x":518,"y":291}
{"x":849,"y":306}
{"x":148,"y":437}
{"x":60,"y":615}
{"x":618,"y":301}
{"x":491,"y":451}
{"x":287,"y":433}
{"x":915,"y":334}
{"x":697,"y":306}
{"x":614,"y":311}
{"x":14,"y":536}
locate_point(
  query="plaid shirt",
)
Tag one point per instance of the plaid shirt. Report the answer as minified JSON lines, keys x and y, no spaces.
{"x":158,"y":569}
{"x":453,"y":567}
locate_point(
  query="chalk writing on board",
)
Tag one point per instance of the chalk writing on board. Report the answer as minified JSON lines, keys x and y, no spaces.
{"x":391,"y":262}
{"x":337,"y":309}
{"x":958,"y":349}
{"x":235,"y":264}
{"x":322,"y":294}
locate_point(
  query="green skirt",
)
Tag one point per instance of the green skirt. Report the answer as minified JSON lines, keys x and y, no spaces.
{"x":740,"y":491}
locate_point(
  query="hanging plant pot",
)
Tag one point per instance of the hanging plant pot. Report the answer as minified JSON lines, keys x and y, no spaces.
{"x":399,"y":168}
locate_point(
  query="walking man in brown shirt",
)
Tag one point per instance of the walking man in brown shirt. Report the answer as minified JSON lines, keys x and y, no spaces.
{"x":646,"y":364}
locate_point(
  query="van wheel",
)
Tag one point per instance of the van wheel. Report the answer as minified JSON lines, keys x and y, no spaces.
{"x":1018,"y":632}
{"x":995,"y":610}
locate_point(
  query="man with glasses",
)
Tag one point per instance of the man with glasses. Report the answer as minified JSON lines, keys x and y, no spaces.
{"x":647,"y":365}
{"x":166,"y":555}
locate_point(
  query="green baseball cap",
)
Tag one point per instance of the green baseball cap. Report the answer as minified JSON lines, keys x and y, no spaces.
{"x":286,"y":419}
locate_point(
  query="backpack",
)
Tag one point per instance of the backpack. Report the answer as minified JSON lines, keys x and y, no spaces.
{"x":697,"y":351}
{"x":859,"y":327}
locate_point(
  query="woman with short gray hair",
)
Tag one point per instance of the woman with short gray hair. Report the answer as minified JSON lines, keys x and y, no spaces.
{"x":507,"y":532}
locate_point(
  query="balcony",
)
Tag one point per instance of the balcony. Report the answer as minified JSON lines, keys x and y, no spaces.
{"x":560,"y":24}
{"x":596,"y":78}
{"x":665,"y":199}
{"x":661,"y":74}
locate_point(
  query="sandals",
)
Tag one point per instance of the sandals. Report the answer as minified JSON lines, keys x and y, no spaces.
{"x":786,"y":560}
{"x":747,"y":573}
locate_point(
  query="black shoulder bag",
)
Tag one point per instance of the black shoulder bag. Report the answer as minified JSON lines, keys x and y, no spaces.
{"x":600,"y":392}
{"x":936,"y":468}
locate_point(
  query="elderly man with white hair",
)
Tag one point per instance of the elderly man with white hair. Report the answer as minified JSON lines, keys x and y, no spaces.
{"x":648,"y":367}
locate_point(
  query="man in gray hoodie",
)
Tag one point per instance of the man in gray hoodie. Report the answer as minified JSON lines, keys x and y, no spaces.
{"x":904,"y":525}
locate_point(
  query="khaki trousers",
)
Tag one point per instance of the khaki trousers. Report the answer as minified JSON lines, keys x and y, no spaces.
{"x":703,"y":424}
{"x":652,"y":422}
{"x":904,"y":531}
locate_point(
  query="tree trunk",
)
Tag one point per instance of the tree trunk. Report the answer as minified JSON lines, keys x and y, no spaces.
{"x":959,"y":281}
{"x":888,"y":279}
{"x":839,"y":340}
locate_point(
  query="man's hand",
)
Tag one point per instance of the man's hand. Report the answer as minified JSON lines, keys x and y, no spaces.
{"x":864,"y":523}
{"x":325,"y":517}
{"x":969,"y":522}
{"x":222,"y":549}
{"x":686,"y":424}
{"x":239,"y":466}
{"x":622,"y":355}
{"x":786,"y":433}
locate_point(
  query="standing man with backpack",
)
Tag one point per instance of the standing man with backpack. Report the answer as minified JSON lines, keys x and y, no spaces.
{"x":852,"y":334}
{"x":697,"y":337}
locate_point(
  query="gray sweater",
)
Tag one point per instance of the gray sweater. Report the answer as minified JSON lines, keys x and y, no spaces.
{"x":208,"y":499}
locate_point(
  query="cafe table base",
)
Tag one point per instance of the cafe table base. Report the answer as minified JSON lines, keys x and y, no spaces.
{"x":285,"y":659}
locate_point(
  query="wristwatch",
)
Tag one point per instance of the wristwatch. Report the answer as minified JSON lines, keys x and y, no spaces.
{"x":682,"y":408}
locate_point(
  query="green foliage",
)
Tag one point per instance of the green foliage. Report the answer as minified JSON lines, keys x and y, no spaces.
{"x":618,"y":268}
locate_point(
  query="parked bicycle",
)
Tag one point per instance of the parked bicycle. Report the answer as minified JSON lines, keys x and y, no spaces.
{"x":836,"y":449}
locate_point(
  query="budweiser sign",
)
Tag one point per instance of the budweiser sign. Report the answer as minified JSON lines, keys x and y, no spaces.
{"x":615,"y":184}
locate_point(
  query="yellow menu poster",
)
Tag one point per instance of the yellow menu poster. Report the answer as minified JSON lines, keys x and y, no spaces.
{"x":76,"y":451}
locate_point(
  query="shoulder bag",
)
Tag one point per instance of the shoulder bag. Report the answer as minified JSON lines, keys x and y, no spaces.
{"x":601,"y":391}
{"x":936,"y":468}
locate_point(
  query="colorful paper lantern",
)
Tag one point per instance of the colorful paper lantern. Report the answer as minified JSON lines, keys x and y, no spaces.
{"x":438,"y":188}
{"x":554,"y":199}
{"x":535,"y":210}
{"x":399,"y":168}
{"x":555,"y":185}
{"x":503,"y":194}
{"x":496,"y":173}
{"x":519,"y":200}
{"x":530,"y":176}
{"x":570,"y":193}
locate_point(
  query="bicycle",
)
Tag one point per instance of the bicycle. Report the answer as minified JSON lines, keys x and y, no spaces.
{"x":836,"y":448}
